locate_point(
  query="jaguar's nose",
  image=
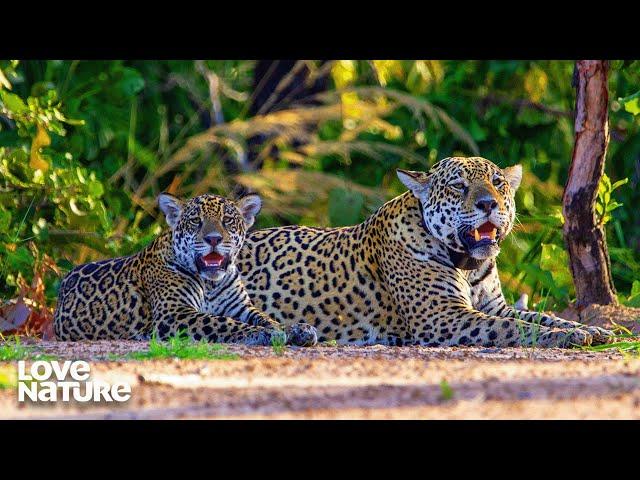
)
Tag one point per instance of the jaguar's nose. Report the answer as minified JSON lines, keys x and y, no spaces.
{"x":213,"y":239}
{"x":486,"y":205}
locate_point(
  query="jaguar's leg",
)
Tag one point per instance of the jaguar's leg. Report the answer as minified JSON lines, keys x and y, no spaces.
{"x":214,"y":328}
{"x":298,"y":334}
{"x":472,"y":327}
{"x":600,"y":335}
{"x":487,"y":296}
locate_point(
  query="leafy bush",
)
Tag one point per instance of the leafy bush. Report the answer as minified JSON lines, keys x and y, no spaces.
{"x":86,"y":146}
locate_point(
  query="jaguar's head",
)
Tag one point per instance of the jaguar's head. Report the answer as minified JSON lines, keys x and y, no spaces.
{"x":208,"y":231}
{"x":467,"y":203}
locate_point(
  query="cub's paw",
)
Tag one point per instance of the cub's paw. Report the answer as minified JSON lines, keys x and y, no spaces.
{"x":301,"y":335}
{"x":565,"y":338}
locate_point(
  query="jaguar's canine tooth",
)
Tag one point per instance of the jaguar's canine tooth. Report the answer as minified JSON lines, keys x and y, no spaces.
{"x":476,"y":235}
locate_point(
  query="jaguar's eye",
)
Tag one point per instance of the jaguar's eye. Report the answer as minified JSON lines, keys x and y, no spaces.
{"x":458,"y":186}
{"x":497,"y":181}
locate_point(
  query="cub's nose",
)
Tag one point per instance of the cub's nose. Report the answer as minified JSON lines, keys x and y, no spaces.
{"x":213,"y":239}
{"x":486,"y":204}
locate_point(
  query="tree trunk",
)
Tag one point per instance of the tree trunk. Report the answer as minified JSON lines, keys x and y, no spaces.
{"x":585,"y":238}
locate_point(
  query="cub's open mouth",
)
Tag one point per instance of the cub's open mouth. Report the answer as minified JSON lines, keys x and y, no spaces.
{"x":485,"y":234}
{"x":212,"y":262}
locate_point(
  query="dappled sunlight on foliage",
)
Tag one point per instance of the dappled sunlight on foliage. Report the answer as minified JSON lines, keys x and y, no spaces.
{"x":86,"y":147}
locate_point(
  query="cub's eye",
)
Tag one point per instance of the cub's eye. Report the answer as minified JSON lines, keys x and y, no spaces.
{"x":497,"y":181}
{"x":458,"y":186}
{"x":195,"y":222}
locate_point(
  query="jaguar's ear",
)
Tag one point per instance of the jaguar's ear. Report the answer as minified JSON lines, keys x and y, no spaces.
{"x":249,"y":206}
{"x":513,"y":176}
{"x":171,"y":207}
{"x":417,"y":182}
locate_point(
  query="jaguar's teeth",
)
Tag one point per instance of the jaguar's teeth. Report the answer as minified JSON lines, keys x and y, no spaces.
{"x":476,"y":235}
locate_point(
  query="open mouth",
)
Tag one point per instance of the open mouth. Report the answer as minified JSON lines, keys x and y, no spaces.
{"x":212,"y":262}
{"x":485,"y":234}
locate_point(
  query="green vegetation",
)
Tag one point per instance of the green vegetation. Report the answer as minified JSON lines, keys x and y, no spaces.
{"x":183,"y":347}
{"x":446,"y":392}
{"x":535,"y":325}
{"x":11,"y":349}
{"x":630,"y":347}
{"x":86,"y":146}
{"x":625,"y":342}
{"x":278,"y":344}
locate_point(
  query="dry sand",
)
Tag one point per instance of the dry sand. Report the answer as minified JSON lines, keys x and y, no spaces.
{"x":375,"y":382}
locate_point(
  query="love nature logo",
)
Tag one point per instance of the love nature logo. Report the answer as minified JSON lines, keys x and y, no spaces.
{"x":52,"y":381}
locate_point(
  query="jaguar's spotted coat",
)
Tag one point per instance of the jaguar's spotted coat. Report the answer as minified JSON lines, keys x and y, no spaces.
{"x":421,"y":270}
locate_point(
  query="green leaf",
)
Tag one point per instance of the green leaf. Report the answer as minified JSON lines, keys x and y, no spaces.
{"x":555,"y":260}
{"x":631,"y":103}
{"x":599,"y":208}
{"x":633,"y":106}
{"x":95,"y":188}
{"x":613,"y":205}
{"x":619,"y":183}
{"x":13,"y":103}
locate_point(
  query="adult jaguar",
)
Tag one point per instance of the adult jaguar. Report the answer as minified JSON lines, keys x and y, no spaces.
{"x":421,"y":270}
{"x":185,"y":280}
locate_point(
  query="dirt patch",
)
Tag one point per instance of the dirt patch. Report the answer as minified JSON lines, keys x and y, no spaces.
{"x":607,"y":316}
{"x":354,"y":382}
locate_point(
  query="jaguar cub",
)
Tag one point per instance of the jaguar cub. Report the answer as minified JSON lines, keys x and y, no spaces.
{"x":185,"y":280}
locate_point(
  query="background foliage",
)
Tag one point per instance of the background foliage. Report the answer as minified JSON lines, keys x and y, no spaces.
{"x":86,"y":146}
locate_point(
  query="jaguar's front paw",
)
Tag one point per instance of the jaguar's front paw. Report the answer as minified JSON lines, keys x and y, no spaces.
{"x":600,"y":335}
{"x":302,"y":335}
{"x":565,"y":338}
{"x":264,"y":338}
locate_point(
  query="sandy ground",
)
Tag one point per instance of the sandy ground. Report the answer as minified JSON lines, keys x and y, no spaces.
{"x":374,"y":382}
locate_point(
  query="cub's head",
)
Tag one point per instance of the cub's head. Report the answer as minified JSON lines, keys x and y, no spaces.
{"x":467,"y":203}
{"x":208,"y":231}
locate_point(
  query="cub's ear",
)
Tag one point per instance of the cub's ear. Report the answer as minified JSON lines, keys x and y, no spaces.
{"x":417,"y":182}
{"x":513,"y":176}
{"x":171,"y":207}
{"x":249,"y":206}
